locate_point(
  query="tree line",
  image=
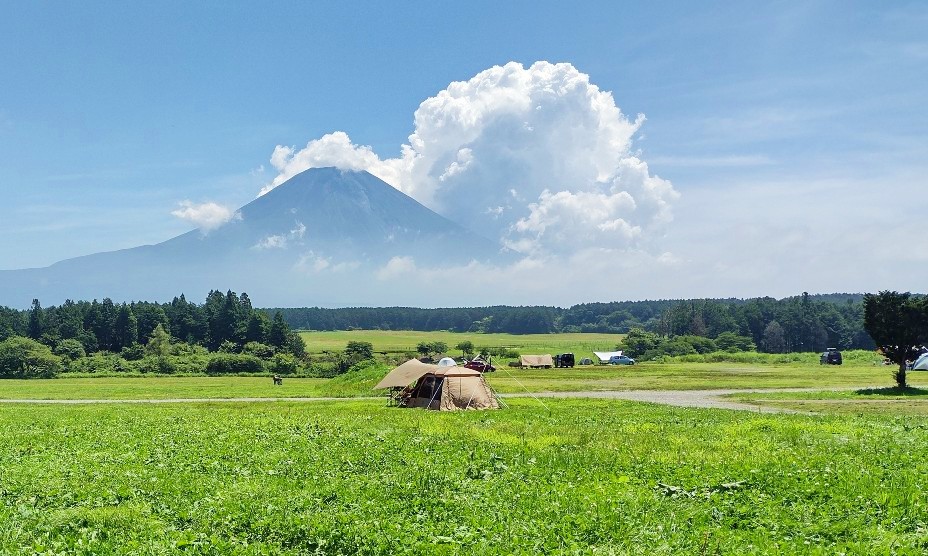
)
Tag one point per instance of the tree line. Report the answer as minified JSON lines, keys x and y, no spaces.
{"x":146,"y":336}
{"x":794,"y":324}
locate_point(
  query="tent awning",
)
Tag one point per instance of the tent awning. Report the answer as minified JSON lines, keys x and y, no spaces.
{"x":413,"y":370}
{"x":605,"y":355}
{"x":406,"y":374}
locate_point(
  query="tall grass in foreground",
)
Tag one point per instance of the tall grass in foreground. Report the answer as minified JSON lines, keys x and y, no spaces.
{"x":580,"y":477}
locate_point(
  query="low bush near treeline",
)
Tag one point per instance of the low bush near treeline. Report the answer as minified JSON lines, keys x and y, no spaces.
{"x":753,"y":357}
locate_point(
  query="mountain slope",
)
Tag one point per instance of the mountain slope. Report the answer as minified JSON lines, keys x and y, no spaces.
{"x":324,"y":232}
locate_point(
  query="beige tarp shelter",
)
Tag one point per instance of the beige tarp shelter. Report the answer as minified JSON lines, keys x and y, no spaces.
{"x":442,"y":388}
{"x":537,"y":360}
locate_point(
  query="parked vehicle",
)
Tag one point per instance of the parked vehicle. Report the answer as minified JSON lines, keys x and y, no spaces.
{"x":620,"y":360}
{"x":564,"y":360}
{"x":478,"y":364}
{"x":830,"y":357}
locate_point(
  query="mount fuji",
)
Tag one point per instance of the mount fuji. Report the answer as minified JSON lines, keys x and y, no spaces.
{"x":317,"y":239}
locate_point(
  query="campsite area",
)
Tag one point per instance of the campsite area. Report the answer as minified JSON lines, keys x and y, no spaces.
{"x":548,"y":475}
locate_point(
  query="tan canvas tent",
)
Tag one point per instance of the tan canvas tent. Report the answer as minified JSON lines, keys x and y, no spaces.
{"x":537,"y":360}
{"x":442,"y":388}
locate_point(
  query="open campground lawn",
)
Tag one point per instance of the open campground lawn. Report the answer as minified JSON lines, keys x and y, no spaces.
{"x":558,"y":476}
{"x":405,"y":341}
{"x":650,"y":376}
{"x":354,"y":477}
{"x":884,"y":401}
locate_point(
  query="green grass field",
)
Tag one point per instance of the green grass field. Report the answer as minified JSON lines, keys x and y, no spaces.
{"x":656,"y":376}
{"x":570,"y":476}
{"x":580,"y":477}
{"x":391,"y":341}
{"x":885,"y":401}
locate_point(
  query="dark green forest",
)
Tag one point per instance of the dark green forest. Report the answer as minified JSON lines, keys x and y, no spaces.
{"x":225,"y":334}
{"x":794,"y":324}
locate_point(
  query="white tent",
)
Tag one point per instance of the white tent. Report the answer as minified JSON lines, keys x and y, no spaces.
{"x":921,"y":364}
{"x":604,"y":356}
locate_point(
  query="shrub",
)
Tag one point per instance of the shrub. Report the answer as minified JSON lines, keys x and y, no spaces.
{"x":229,"y":347}
{"x":157,"y":365}
{"x":25,"y":358}
{"x":729,"y":341}
{"x":134,"y":352}
{"x":283,"y":364}
{"x":258,"y":349}
{"x":359,"y":351}
{"x":229,"y":363}
{"x":70,"y":349}
{"x":101,"y":362}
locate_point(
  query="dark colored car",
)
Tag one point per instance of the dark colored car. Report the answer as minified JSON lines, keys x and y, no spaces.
{"x":479,"y":364}
{"x":564,"y":360}
{"x":830,"y":357}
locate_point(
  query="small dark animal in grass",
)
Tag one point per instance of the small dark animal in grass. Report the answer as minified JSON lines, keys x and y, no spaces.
{"x":278,"y":381}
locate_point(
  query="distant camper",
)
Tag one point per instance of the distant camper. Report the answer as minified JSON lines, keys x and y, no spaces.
{"x":831,"y":357}
{"x":278,"y":381}
{"x":564,"y":360}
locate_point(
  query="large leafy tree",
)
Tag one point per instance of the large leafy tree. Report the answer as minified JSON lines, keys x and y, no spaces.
{"x":359,"y":351}
{"x":898,"y":324}
{"x":26,"y":358}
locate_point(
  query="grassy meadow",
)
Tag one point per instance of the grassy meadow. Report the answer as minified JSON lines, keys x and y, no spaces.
{"x":405,"y":341}
{"x":355,"y":477}
{"x":569,"y":476}
{"x":885,"y":401}
{"x":359,"y":383}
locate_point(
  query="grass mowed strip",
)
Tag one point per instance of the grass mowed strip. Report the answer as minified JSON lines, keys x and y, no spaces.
{"x":358,"y":478}
{"x":402,"y":341}
{"x":886,"y":401}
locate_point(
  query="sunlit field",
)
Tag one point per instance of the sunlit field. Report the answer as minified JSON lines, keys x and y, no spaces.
{"x":391,"y":341}
{"x":559,"y":476}
{"x":648,"y":376}
{"x":884,"y":401}
{"x":355,"y":477}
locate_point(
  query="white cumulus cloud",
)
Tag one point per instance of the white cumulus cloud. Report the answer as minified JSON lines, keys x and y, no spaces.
{"x":539,"y":158}
{"x":206,"y":216}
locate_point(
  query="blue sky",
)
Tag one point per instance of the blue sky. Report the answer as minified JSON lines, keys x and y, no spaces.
{"x":793,"y":132}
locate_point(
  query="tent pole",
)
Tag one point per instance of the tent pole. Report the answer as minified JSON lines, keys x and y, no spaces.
{"x":527,"y":391}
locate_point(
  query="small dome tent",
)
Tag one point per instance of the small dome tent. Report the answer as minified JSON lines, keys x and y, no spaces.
{"x":921,"y":364}
{"x":444,"y":388}
{"x":446,"y":362}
